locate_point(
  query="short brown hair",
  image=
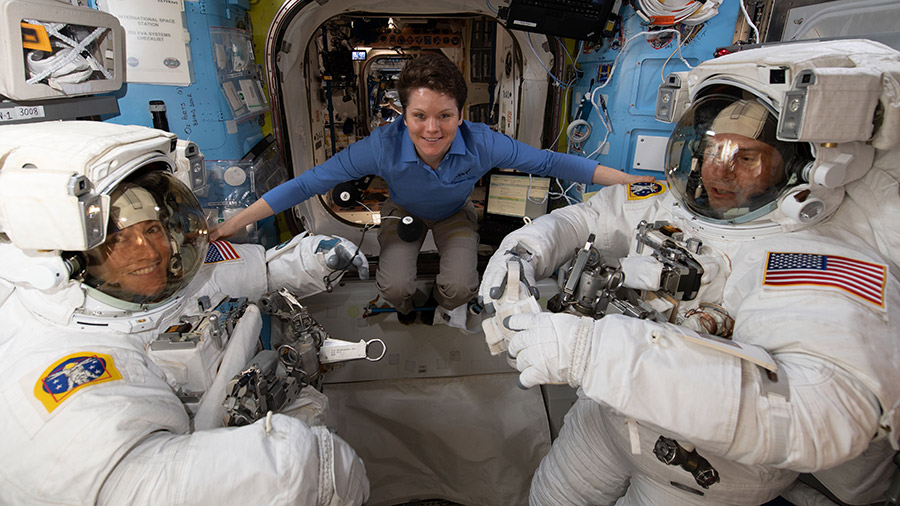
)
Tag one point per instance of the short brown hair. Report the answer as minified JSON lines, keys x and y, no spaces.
{"x":435,"y":72}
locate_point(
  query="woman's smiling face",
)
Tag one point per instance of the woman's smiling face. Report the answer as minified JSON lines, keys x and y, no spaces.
{"x":136,"y":259}
{"x":432,"y":119}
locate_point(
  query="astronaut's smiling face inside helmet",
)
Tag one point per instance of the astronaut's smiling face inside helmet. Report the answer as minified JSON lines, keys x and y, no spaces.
{"x":133,"y":264}
{"x":136,"y":259}
{"x":736,"y":168}
{"x":156,"y":240}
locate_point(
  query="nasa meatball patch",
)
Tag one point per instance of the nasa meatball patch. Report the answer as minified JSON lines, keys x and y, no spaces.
{"x":73,"y":373}
{"x":640,"y":191}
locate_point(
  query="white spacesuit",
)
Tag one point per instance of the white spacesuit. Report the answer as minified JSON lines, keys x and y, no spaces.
{"x":111,"y":392}
{"x":782,"y":358}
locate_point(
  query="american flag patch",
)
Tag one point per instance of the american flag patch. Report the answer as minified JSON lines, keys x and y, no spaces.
{"x":861,"y":279}
{"x":221,"y":251}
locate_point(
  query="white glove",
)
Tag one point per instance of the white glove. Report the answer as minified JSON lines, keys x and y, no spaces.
{"x":309,"y":407}
{"x":305,"y":263}
{"x":493,"y":282}
{"x":501,"y":302}
{"x":550,"y":348}
{"x":342,"y":254}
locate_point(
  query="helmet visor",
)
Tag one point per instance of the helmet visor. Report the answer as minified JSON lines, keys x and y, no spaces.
{"x":723,"y":161}
{"x":156,"y":238}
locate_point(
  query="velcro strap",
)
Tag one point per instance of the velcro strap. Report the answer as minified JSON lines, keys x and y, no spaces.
{"x":580,"y":351}
{"x":326,"y":465}
{"x":778,"y":393}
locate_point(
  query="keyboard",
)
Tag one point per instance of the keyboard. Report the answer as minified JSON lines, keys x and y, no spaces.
{"x":582,"y":7}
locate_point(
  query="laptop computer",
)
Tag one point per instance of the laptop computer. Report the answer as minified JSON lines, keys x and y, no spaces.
{"x":574,"y":19}
{"x":508,"y":201}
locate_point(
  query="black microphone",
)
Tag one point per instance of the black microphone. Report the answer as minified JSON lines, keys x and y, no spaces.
{"x":346,"y":194}
{"x":410,"y":228}
{"x":349,"y":193}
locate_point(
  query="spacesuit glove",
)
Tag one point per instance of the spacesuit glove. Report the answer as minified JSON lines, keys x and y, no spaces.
{"x":342,"y":254}
{"x":493,"y":283}
{"x":550,"y":348}
{"x":302,"y":264}
{"x":310,"y":407}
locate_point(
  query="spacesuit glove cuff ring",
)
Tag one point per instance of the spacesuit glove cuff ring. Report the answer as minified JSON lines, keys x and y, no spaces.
{"x":581,"y":349}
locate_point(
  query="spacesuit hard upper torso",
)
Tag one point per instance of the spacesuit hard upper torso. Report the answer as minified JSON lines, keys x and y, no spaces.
{"x":834,"y":344}
{"x":90,"y":411}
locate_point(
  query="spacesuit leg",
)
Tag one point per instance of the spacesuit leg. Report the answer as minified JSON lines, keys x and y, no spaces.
{"x":396,"y":276}
{"x":591,"y":462}
{"x":457,"y":241}
{"x":584,"y":465}
{"x":865,"y":478}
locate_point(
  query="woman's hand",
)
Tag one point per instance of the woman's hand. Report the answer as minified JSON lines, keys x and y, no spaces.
{"x":607,"y":175}
{"x":223,"y":230}
{"x":257,"y":211}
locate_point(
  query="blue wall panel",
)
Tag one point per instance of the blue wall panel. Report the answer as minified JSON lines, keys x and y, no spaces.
{"x":198,"y":112}
{"x":631,"y":93}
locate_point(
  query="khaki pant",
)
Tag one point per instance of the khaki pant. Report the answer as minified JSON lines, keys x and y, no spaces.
{"x":456,"y":238}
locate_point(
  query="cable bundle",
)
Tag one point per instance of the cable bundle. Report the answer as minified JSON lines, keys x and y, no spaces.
{"x":671,"y":12}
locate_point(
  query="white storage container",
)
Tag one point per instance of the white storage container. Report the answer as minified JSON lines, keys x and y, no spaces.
{"x":50,"y":49}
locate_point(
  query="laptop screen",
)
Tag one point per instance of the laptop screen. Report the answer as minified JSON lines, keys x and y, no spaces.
{"x":506,"y":195}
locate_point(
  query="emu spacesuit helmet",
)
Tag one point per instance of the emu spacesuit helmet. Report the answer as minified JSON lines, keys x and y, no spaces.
{"x":155,"y":242}
{"x":724,"y":162}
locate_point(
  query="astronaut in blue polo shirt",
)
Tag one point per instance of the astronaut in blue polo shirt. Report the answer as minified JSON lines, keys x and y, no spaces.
{"x":431,"y":161}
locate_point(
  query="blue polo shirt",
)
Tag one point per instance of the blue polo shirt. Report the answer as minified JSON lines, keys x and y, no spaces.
{"x":431,"y":194}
